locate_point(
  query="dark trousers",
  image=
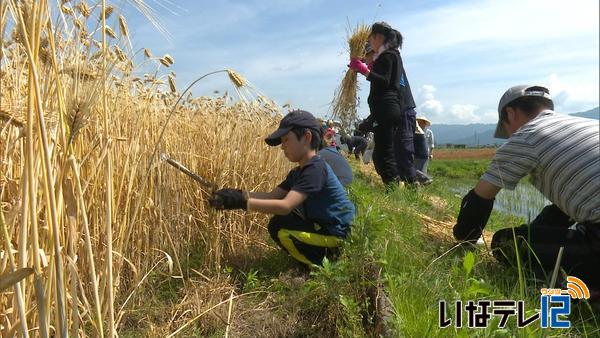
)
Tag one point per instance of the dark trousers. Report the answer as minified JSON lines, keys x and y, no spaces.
{"x":404,"y":148}
{"x":545,"y":235}
{"x":304,"y":240}
{"x":359,"y":149}
{"x":383,"y":154}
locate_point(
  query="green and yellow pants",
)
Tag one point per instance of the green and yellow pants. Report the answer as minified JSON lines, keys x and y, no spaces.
{"x":305,"y":240}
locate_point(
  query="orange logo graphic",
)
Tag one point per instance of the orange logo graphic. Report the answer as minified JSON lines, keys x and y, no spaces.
{"x":577,"y":288}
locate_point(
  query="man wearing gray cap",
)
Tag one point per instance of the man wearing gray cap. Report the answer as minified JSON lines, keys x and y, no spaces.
{"x":561,"y":155}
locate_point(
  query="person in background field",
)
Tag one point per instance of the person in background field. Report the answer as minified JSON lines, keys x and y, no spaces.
{"x":356,"y":145}
{"x":312,"y":211}
{"x":336,"y":161}
{"x":423,"y":124}
{"x":331,"y":129}
{"x":331,"y":125}
{"x":392,"y":106}
{"x":321,"y":123}
{"x":561,"y":155}
{"x":370,"y":146}
{"x":358,"y":132}
{"x":421,"y":154}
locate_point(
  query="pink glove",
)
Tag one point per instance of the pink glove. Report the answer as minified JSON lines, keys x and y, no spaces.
{"x":370,"y":65}
{"x":358,"y":66}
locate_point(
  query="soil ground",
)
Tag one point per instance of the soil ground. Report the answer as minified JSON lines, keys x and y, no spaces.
{"x":464,"y":154}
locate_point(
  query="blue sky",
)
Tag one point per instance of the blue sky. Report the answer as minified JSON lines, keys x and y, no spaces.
{"x":460,"y":56}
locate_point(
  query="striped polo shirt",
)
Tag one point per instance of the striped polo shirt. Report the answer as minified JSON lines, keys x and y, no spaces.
{"x":562,"y":156}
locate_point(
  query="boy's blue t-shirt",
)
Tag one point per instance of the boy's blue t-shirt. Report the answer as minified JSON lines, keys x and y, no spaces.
{"x":327,"y":203}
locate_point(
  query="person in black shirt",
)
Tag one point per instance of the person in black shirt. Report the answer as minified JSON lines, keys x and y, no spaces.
{"x":392,"y":106}
{"x":356,"y":145}
{"x":312,"y":212}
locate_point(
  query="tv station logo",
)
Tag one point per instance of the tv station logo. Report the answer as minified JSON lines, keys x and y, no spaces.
{"x":555,"y":306}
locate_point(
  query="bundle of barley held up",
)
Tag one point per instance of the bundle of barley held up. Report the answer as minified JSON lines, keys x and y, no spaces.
{"x":345,"y":98}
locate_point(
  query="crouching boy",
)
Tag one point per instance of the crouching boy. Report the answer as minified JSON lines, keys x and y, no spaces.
{"x":311,"y":208}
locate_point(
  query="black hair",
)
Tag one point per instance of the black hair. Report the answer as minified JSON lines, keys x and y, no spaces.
{"x":315,"y":141}
{"x":530,"y":105}
{"x":394,"y":39}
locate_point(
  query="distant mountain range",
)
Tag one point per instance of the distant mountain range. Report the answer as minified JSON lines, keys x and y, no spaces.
{"x":479,"y":134}
{"x":590,"y":114}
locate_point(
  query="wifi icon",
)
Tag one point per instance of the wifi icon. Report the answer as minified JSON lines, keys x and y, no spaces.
{"x":577,"y":288}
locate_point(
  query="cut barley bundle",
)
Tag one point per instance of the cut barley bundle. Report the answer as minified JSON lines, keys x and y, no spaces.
{"x":357,"y":41}
{"x":345,"y":98}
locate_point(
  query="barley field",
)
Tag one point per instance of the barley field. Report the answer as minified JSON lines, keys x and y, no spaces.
{"x":101,"y":237}
{"x":88,"y":209}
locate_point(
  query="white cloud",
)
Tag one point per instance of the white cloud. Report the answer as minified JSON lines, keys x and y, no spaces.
{"x":476,"y":50}
{"x":489,"y":115}
{"x":464,"y":113}
{"x":426,"y":92}
{"x":430,"y":106}
{"x":571,"y":97}
{"x":499,"y":22}
{"x":457,"y":114}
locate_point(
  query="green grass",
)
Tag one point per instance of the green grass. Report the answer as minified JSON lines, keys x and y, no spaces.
{"x":419,"y":272}
{"x":387,"y":247}
{"x":458,"y":170}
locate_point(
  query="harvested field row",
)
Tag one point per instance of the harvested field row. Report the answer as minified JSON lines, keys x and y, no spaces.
{"x":463,"y":154}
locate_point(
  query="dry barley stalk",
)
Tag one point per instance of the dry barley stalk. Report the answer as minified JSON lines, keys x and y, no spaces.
{"x":17,"y":284}
{"x":30,"y":153}
{"x":345,"y":98}
{"x":205,"y":135}
{"x":109,"y":180}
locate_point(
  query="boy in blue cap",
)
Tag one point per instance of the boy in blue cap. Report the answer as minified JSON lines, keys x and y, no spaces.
{"x":311,"y":208}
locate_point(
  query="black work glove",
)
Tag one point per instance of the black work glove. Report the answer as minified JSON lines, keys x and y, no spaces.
{"x":229,"y":199}
{"x":473,"y":216}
